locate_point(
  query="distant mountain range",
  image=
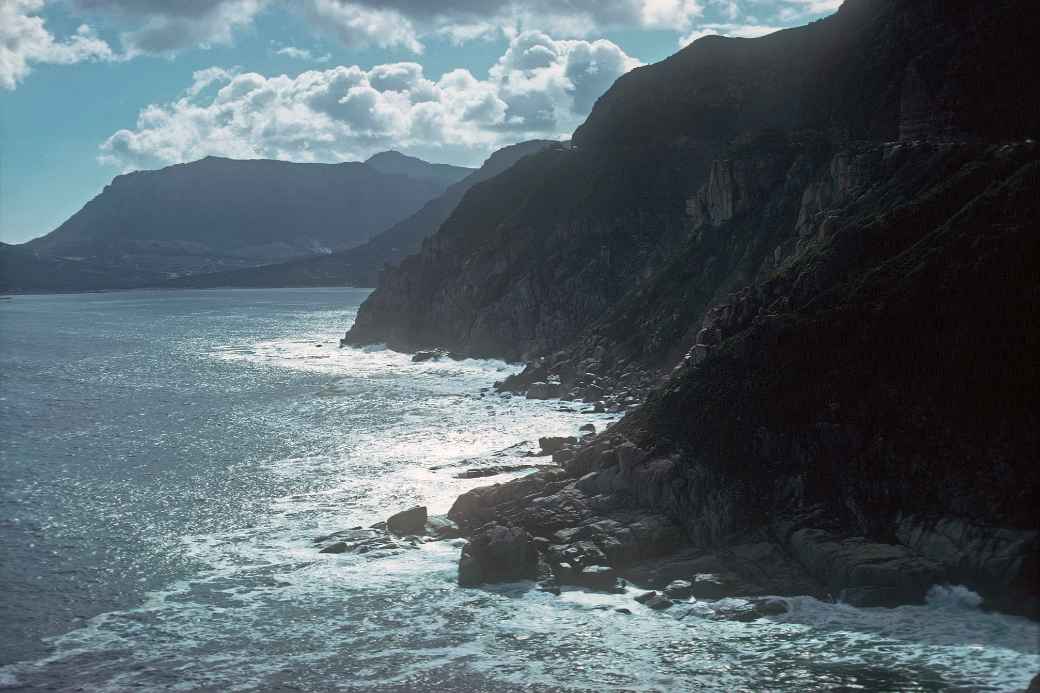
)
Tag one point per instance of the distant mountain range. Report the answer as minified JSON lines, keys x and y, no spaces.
{"x":361,"y":266}
{"x":217,"y":214}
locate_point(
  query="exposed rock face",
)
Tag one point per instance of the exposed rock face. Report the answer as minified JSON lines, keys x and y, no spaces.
{"x":498,"y":553}
{"x":814,"y":258}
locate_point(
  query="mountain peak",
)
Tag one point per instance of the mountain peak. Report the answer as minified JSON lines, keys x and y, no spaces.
{"x":395,"y":163}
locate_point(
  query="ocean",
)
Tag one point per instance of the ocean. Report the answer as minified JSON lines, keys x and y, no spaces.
{"x":167,"y":460}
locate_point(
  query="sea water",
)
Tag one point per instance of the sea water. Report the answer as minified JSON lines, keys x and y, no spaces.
{"x":168,"y":458}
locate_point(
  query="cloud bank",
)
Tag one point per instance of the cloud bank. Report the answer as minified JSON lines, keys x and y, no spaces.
{"x":25,"y":41}
{"x":540,"y":87}
{"x":167,"y":27}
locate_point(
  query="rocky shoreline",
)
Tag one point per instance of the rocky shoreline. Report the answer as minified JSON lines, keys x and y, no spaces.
{"x":602,"y":516}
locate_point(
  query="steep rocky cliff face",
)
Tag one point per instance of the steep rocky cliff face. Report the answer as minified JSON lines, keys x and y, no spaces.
{"x":817,"y":252}
{"x":532,"y":261}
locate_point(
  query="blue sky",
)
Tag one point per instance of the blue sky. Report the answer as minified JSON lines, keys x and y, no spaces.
{"x":92,"y":88}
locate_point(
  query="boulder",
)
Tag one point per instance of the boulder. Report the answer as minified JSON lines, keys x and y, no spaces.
{"x":338,"y":547}
{"x":714,"y":585}
{"x":411,"y":521}
{"x":679,"y":589}
{"x":551,"y":444}
{"x":645,"y":596}
{"x":587,"y":428}
{"x":431,"y":355}
{"x":598,"y":577}
{"x":498,"y":553}
{"x":542,"y":390}
{"x":659,"y":603}
{"x":752,"y":610}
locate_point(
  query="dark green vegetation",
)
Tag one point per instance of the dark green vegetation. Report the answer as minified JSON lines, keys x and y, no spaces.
{"x":822,"y":246}
{"x":217,"y":214}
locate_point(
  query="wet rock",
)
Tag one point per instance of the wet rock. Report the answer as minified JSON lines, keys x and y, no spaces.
{"x":771,"y":606}
{"x":646,"y":596}
{"x":714,"y":586}
{"x":431,"y":355}
{"x":588,"y":428}
{"x":551,"y":586}
{"x":498,"y":553}
{"x":543,"y":390}
{"x":679,"y":589}
{"x":865,"y":573}
{"x":659,"y":603}
{"x":596,"y":577}
{"x":623,"y":610}
{"x":338,"y":547}
{"x":441,"y":527}
{"x":745,"y":611}
{"x":495,"y":470}
{"x":471,"y":573}
{"x":551,"y":444}
{"x":411,"y":521}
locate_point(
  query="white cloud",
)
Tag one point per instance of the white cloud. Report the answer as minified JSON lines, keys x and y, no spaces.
{"x":162,"y":27}
{"x":25,"y":41}
{"x":540,"y":87}
{"x":302,"y":54}
{"x":733,"y":30}
{"x":165,"y":27}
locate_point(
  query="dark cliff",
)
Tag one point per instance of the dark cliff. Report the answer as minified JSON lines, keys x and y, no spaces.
{"x":530,"y":262}
{"x":817,"y":251}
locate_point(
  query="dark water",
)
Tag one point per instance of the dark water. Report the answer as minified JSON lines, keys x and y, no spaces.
{"x":166,"y":459}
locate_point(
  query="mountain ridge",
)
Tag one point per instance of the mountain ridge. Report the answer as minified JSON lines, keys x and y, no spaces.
{"x":216,"y":213}
{"x":362,"y":265}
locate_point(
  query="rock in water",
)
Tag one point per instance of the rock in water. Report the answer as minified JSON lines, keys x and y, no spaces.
{"x":498,"y":553}
{"x":659,"y":603}
{"x":679,"y":589}
{"x":551,"y":444}
{"x":411,"y":521}
{"x":543,"y":391}
{"x":441,"y":527}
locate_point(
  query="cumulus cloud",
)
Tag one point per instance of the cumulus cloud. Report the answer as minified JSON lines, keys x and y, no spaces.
{"x":25,"y":41}
{"x":405,"y":23}
{"x":540,"y":87}
{"x":166,"y":26}
{"x":302,"y":54}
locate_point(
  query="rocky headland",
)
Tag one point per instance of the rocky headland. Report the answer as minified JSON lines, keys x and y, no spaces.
{"x":804,"y":266}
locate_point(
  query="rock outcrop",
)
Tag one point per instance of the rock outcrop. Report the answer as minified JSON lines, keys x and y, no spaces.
{"x":804,"y":266}
{"x":498,"y":553}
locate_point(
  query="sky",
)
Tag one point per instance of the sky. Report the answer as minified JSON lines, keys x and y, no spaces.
{"x":90,"y":89}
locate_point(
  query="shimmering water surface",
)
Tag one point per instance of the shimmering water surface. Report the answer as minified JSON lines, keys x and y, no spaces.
{"x":166,"y":460}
